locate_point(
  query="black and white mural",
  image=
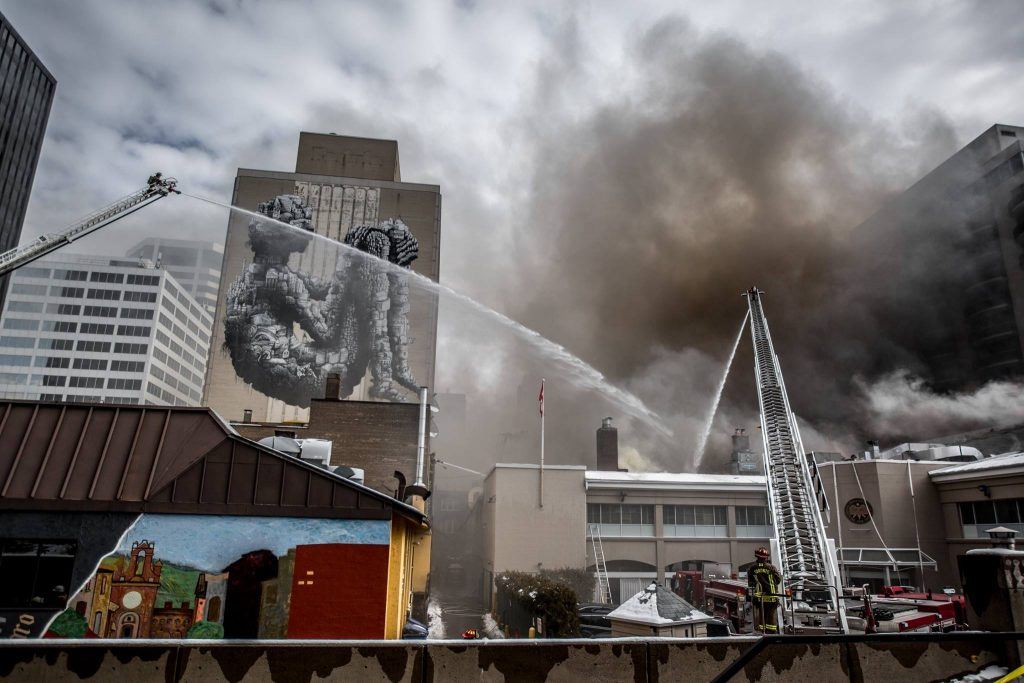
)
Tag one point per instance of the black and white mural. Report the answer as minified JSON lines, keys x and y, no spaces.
{"x":286,"y":328}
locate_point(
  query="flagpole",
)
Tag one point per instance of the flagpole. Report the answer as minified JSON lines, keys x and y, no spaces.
{"x":542,"y":443}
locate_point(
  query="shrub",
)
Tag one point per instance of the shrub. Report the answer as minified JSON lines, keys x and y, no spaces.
{"x":541,"y":597}
{"x":69,"y":624}
{"x":580,"y":580}
{"x":208,"y":630}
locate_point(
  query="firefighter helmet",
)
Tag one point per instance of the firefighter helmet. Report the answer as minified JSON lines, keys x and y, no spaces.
{"x":761,"y":552}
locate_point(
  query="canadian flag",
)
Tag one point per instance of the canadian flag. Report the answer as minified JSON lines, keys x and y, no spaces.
{"x":541,"y":397}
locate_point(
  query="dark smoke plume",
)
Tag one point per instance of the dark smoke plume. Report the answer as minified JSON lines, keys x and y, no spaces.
{"x":726,"y":168}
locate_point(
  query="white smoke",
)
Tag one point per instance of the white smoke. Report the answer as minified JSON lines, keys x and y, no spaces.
{"x":435,"y":621}
{"x":900,"y":403}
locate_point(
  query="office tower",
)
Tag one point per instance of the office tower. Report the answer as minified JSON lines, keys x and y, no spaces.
{"x":26,"y":93}
{"x":262,"y":358}
{"x":84,"y":329}
{"x":195,"y":265}
{"x":953,"y":263}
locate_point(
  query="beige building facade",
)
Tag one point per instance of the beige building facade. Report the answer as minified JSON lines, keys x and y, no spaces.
{"x":346,"y":182}
{"x":649,"y":525}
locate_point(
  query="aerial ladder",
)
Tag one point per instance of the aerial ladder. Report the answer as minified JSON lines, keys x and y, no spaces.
{"x":804,"y":555}
{"x":157,"y":187}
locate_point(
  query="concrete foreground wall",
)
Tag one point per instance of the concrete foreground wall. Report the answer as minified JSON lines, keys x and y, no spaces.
{"x":925,"y":657}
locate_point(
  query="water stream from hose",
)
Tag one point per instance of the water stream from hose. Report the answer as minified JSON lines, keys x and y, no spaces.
{"x":581,"y":373}
{"x":718,"y":396}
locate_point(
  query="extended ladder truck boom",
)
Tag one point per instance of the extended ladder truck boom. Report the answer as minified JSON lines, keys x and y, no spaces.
{"x":805,"y":556}
{"x":156,"y":188}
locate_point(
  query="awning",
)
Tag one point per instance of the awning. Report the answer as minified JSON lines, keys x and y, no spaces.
{"x":883,"y":557}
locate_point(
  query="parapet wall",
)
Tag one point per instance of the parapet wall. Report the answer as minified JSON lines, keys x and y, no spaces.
{"x":819,"y":658}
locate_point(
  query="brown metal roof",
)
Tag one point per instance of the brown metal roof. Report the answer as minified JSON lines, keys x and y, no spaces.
{"x":60,"y":456}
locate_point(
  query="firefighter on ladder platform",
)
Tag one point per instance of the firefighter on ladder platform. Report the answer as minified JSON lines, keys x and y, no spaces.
{"x":765,"y":583}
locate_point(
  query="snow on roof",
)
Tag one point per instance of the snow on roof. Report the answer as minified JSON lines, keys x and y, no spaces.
{"x":658,"y":606}
{"x":671,"y":479}
{"x":995,"y":462}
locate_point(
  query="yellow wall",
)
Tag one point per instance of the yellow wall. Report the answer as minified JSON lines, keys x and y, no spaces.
{"x":408,"y":571}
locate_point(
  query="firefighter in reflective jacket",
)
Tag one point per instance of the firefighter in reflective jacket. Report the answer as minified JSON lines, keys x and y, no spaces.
{"x":765,"y":585}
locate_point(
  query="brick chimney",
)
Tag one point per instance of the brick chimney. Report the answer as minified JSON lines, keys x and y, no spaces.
{"x":607,"y":447}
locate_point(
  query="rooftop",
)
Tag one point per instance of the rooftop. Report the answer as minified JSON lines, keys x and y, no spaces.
{"x":673,"y":481}
{"x":658,"y":606}
{"x":999,"y":465}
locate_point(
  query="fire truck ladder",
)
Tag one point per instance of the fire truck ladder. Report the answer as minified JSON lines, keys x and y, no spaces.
{"x":604,"y":587}
{"x":157,"y":188}
{"x":807,"y":565}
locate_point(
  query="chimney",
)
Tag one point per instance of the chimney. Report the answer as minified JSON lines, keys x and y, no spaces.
{"x":607,"y":447}
{"x":247,"y":416}
{"x":873,"y":452}
{"x":332,"y":390}
{"x":740,"y":441}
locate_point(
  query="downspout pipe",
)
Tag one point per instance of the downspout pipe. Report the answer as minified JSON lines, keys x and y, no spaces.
{"x":419,"y":487}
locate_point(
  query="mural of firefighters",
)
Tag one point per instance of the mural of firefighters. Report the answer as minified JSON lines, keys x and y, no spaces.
{"x":169,"y":578}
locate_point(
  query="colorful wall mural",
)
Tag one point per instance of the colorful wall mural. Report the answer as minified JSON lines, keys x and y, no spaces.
{"x":193,"y":576}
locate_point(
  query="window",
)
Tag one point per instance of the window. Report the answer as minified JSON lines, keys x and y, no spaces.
{"x":180,"y":315}
{"x":54,"y":380}
{"x":19,"y":324}
{"x":12,"y":378}
{"x":137,"y":313}
{"x":156,"y":372}
{"x":105,"y":294}
{"x":158,"y":354}
{"x":34,"y":290}
{"x":126,"y":366}
{"x":153,"y":390}
{"x":129,"y":348}
{"x":52,"y":362}
{"x":35,"y":573}
{"x":125,"y":384}
{"x":100,"y":311}
{"x":133,"y":330}
{"x":64,"y":309}
{"x":57,"y":344}
{"x":88,"y":364}
{"x":61,"y":274}
{"x":15,"y":360}
{"x":18,"y":342}
{"x":59,"y":326}
{"x":167,"y":303}
{"x":696,"y":520}
{"x":979,"y":516}
{"x":145,"y":280}
{"x":143,"y":297}
{"x":753,"y":522}
{"x":26,"y":306}
{"x":165,"y":321}
{"x":114,"y":278}
{"x":178,"y":332}
{"x":163,"y":338}
{"x":28,"y":271}
{"x":101,"y":347}
{"x":55,"y":398}
{"x":86,"y":382}
{"x":617,"y":519}
{"x":97,"y":328}
{"x":67,"y":292}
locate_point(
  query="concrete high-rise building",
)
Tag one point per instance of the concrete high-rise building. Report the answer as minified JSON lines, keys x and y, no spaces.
{"x":195,"y":265}
{"x":26,"y":93}
{"x":84,"y":329}
{"x":955,"y":250}
{"x":340,"y":183}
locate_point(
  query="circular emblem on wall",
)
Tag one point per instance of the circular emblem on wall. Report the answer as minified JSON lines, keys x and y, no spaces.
{"x":131,"y":599}
{"x":858,"y":511}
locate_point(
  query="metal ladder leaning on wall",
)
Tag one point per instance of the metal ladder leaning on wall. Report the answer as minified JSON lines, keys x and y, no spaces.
{"x":604,"y":588}
{"x":807,"y":563}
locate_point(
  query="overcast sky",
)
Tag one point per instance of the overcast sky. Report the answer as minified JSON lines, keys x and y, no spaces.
{"x":491,"y":100}
{"x":200,"y":88}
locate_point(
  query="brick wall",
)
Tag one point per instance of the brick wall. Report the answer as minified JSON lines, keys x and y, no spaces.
{"x":378,"y":437}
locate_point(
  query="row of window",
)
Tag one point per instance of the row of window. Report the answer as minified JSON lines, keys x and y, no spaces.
{"x":73,"y":327}
{"x":81,"y":292}
{"x":75,"y":309}
{"x":621,"y":519}
{"x":978,"y":517}
{"x":96,"y":276}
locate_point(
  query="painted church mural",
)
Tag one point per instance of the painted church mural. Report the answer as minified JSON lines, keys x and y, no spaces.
{"x":188,"y":576}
